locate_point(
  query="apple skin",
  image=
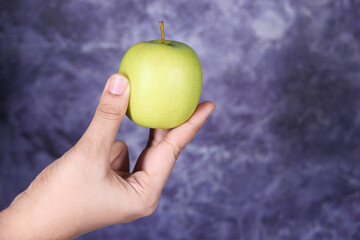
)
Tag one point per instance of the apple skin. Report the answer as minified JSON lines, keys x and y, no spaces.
{"x":165,"y":83}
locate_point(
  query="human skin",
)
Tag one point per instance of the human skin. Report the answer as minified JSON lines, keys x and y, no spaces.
{"x":91,"y":185}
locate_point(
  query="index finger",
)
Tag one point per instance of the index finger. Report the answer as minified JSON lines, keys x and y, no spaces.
{"x":159,"y":161}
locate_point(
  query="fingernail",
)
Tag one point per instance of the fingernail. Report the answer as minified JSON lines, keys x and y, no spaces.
{"x":117,"y":85}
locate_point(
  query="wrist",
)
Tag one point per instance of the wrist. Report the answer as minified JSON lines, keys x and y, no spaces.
{"x":7,"y":230}
{"x":13,"y":225}
{"x":25,"y":219}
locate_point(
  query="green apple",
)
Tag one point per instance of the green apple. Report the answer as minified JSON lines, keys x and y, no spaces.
{"x":165,"y":83}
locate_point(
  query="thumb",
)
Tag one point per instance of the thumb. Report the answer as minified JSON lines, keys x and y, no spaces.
{"x":111,"y":110}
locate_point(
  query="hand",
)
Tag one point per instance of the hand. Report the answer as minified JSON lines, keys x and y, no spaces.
{"x":90,"y":186}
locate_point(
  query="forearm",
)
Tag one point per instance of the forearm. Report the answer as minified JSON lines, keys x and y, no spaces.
{"x":26,"y":220}
{"x":17,"y":224}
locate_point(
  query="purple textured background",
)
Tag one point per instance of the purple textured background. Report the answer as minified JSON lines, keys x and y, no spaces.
{"x":278,"y":159}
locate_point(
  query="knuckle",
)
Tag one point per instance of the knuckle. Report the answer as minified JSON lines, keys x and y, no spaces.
{"x":122,"y":145}
{"x":194,"y":126}
{"x":150,"y":208}
{"x":148,"y":204}
{"x":175,"y":150}
{"x":148,"y":197}
{"x":142,"y":210}
{"x":89,"y":148}
{"x":110,"y":112}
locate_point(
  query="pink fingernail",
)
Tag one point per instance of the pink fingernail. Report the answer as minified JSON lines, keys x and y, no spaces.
{"x":117,"y":85}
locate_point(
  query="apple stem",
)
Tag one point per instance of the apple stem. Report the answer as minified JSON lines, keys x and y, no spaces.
{"x":161,"y":23}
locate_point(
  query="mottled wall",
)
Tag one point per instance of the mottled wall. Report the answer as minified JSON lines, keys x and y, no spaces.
{"x":278,"y":159}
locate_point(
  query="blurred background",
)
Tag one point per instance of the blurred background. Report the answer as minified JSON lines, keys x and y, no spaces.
{"x":278,"y":159}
